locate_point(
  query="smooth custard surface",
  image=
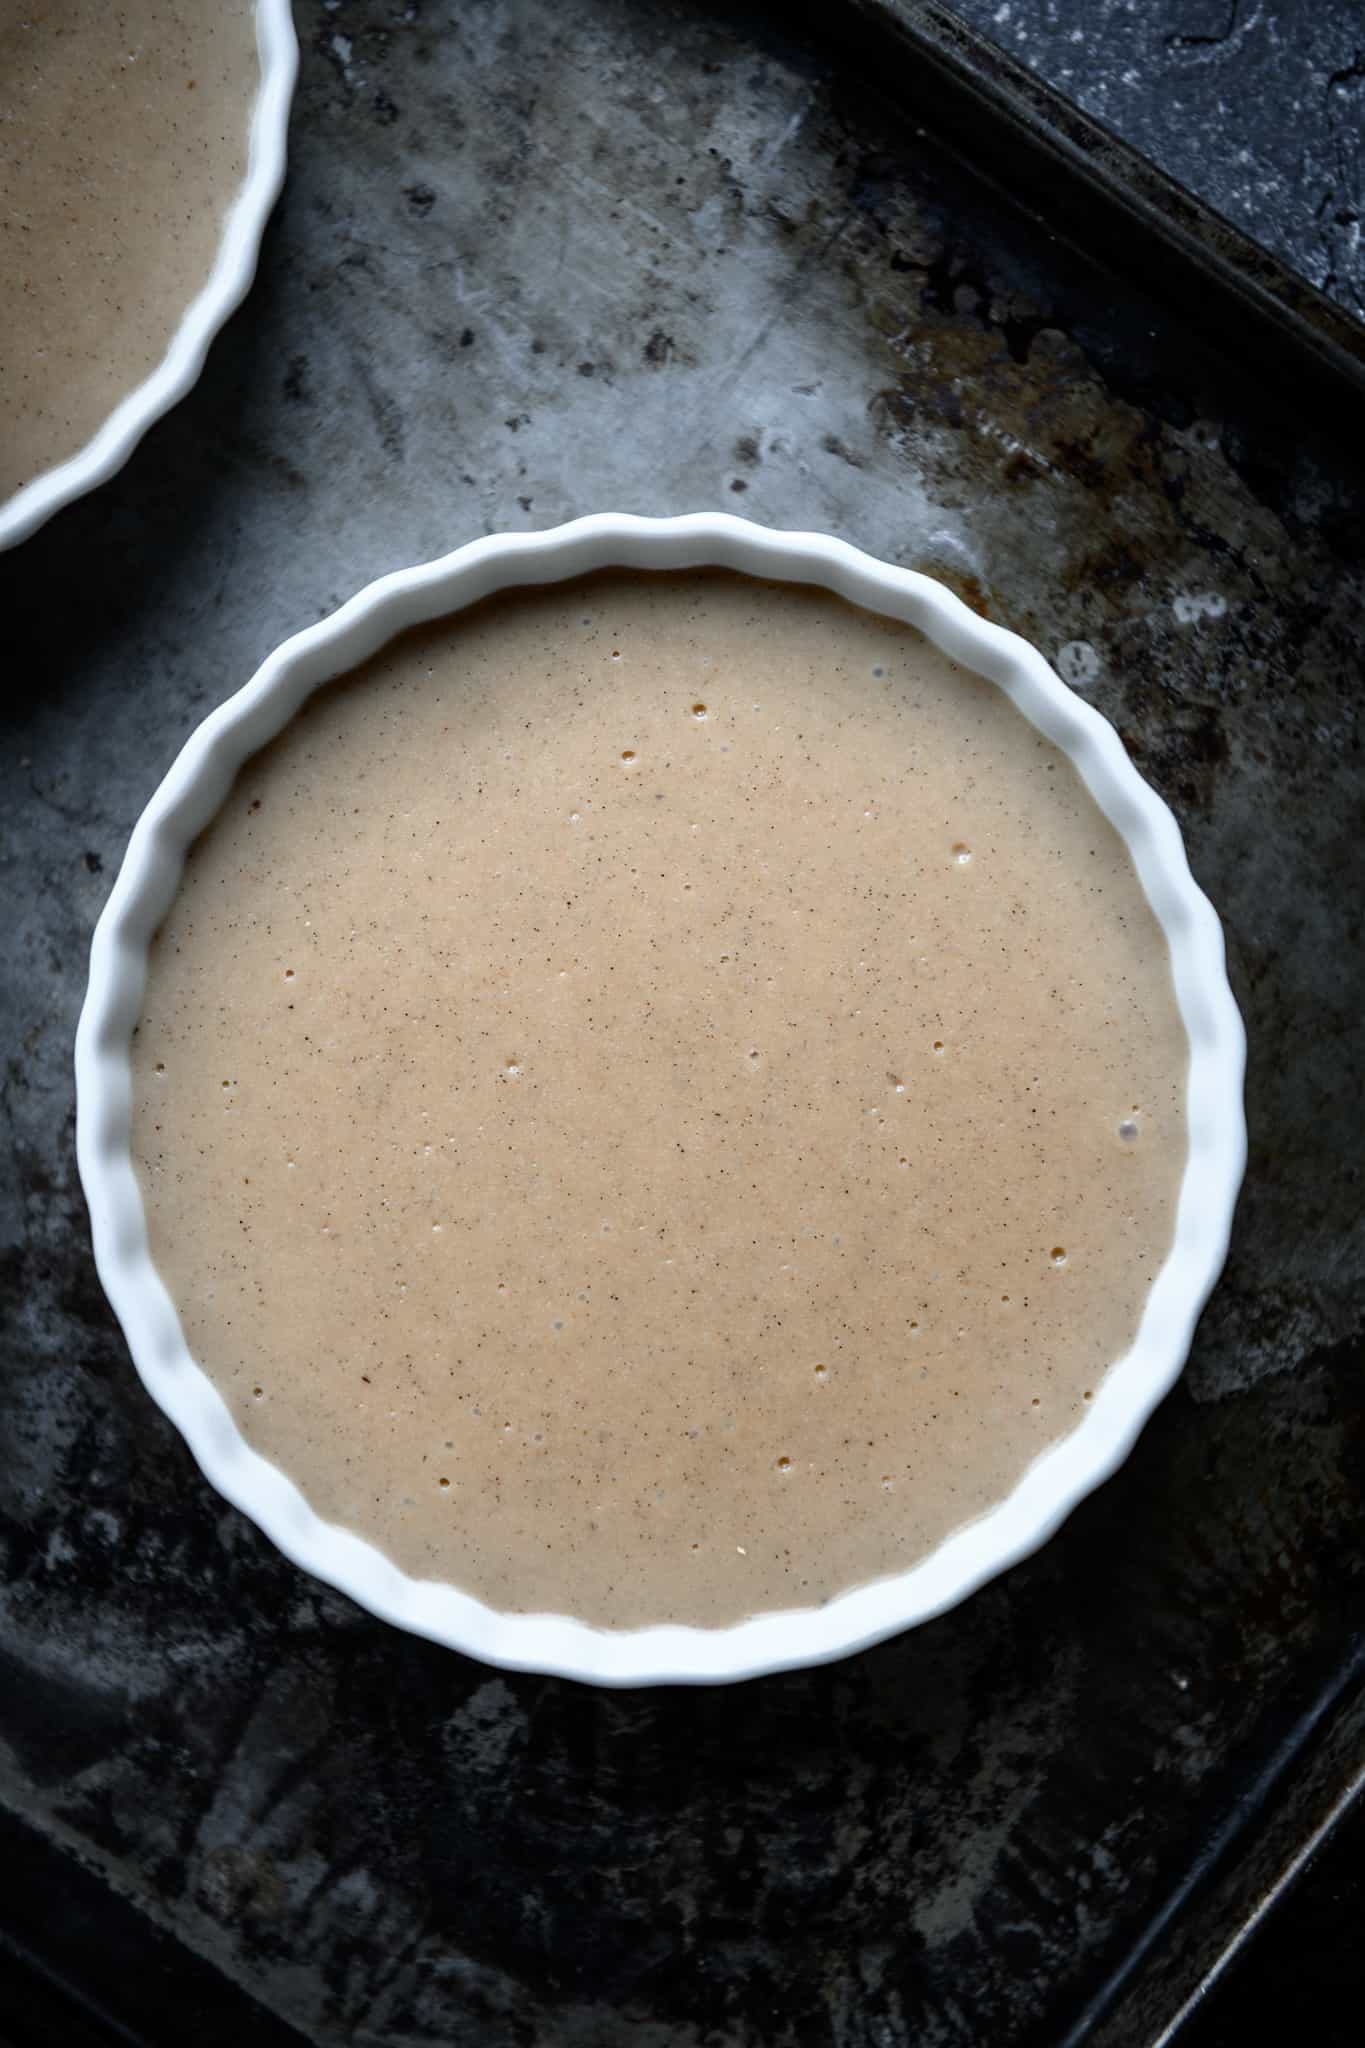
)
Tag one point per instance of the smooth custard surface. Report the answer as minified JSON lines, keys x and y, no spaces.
{"x":658,"y":1097}
{"x":123,"y":142}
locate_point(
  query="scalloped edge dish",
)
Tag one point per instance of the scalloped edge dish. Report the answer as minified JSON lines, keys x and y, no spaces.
{"x":1057,"y":1480}
{"x":228,"y":283}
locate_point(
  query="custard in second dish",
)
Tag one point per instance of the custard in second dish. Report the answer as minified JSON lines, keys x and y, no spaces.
{"x":658,"y":1097}
{"x":123,"y":142}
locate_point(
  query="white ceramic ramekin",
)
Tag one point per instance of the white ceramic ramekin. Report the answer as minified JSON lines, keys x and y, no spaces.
{"x":233,"y":270}
{"x":1058,"y":1479}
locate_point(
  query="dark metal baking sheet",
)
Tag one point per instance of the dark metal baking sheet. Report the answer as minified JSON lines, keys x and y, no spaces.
{"x":1077,"y":177}
{"x":534,"y":260}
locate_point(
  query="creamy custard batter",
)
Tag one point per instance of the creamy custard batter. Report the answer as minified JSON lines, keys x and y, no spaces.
{"x":658,"y":1097}
{"x":123,"y":142}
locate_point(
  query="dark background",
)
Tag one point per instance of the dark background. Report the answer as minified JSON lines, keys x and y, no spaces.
{"x":533,"y":260}
{"x":1258,"y":106}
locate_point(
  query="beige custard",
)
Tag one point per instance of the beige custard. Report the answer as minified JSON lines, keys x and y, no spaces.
{"x":658,"y":1097}
{"x":123,"y":142}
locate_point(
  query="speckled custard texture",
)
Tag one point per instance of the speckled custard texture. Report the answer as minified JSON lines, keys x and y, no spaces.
{"x":658,"y":1097}
{"x":123,"y":142}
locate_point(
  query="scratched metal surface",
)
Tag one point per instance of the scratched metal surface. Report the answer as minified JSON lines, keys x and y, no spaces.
{"x":531,"y":261}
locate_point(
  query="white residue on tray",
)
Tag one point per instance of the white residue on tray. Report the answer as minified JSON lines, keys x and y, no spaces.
{"x":1194,"y":605}
{"x":1078,"y":664}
